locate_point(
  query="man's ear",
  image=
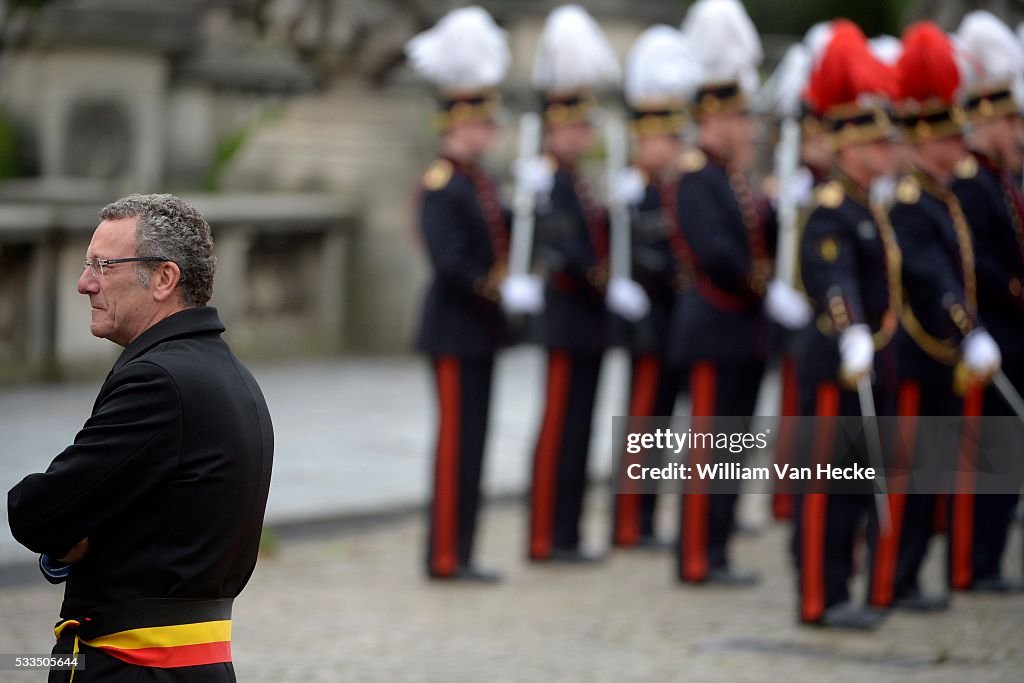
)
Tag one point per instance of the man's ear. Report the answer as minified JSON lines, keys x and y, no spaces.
{"x":164,"y":280}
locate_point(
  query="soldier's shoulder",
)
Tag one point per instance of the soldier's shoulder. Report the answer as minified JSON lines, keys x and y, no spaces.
{"x":908,"y":190}
{"x":438,"y":175}
{"x":829,"y":195}
{"x":967,"y":167}
{"x":692,"y":161}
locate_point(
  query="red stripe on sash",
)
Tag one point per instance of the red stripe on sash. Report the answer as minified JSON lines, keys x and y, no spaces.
{"x":174,"y":656}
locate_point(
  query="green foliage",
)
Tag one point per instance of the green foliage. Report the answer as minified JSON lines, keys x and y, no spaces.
{"x":794,"y":17}
{"x":270,"y":543}
{"x":226,"y":152}
{"x":30,"y":4}
{"x":229,"y":148}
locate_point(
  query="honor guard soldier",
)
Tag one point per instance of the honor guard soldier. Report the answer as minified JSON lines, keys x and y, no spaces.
{"x":573,"y":57}
{"x":992,"y":203}
{"x":940,"y":328}
{"x":850,"y":269}
{"x":724,"y":239}
{"x":465,"y":230}
{"x":793,"y":188}
{"x":660,"y":76}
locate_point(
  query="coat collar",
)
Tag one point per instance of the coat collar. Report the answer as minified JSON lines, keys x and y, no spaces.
{"x":988,"y":163}
{"x":183,"y":323}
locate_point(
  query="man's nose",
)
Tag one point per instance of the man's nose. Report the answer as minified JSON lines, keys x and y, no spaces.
{"x":87,"y":283}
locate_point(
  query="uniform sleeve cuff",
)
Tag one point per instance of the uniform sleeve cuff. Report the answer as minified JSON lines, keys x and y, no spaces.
{"x":52,"y":568}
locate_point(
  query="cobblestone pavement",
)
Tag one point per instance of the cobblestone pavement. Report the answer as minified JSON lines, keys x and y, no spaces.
{"x":352,"y":606}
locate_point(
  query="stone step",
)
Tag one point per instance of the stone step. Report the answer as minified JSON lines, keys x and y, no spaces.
{"x":330,"y":138}
{"x":359,"y":106}
{"x":344,"y":137}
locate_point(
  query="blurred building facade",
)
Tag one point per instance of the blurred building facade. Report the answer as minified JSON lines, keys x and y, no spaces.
{"x":102,"y":98}
{"x":294,"y":122}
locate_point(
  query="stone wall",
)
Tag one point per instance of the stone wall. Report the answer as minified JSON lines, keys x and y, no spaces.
{"x":282,"y":280}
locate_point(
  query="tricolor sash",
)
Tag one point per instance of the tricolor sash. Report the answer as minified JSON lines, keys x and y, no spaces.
{"x":163,"y":633}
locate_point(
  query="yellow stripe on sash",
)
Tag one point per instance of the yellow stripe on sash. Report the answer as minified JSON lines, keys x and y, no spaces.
{"x":166,"y":636}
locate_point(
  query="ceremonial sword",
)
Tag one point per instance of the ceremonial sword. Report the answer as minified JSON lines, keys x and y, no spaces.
{"x":521,"y":247}
{"x":1009,"y":393}
{"x":618,"y":209}
{"x":874,"y":447}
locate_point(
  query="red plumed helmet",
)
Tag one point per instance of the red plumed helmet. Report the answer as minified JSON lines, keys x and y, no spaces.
{"x":929,"y":84}
{"x":847,"y":86}
{"x":927,"y":69}
{"x":847,"y":70}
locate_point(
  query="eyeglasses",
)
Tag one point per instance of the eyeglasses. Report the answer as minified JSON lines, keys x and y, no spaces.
{"x":98,"y":266}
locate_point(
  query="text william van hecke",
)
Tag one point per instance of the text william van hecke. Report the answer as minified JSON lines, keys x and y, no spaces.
{"x":731,"y":471}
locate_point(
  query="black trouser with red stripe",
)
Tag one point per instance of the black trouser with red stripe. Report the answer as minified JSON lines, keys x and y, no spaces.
{"x":726,"y":388}
{"x":826,"y":525}
{"x":979,"y":555}
{"x":980,"y":524}
{"x":464,"y":396}
{"x":899,"y":554}
{"x":559,"y":476}
{"x":654,"y":385}
{"x":995,"y":512}
{"x":789,"y":400}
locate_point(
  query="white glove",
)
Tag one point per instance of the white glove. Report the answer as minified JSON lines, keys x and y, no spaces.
{"x":786,"y":306}
{"x":883,"y":190}
{"x":981,"y":353}
{"x":536,"y":174}
{"x":628,"y":187}
{"x":856,"y":352}
{"x":627,"y":298}
{"x":800,"y":190}
{"x":522,"y":294}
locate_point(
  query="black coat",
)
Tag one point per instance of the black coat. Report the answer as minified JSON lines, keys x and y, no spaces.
{"x":572,"y":237}
{"x":990,"y":203}
{"x":719,"y":316}
{"x":168,"y":478}
{"x":654,"y":267}
{"x":938,"y":274}
{"x":461,"y":312}
{"x":849,"y":266}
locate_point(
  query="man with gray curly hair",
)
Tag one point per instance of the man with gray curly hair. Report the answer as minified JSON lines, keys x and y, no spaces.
{"x":168,"y":228}
{"x":152,"y":517}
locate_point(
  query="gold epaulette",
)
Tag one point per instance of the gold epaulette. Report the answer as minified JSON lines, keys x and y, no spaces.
{"x":692,"y":160}
{"x":908,"y":191}
{"x":967,"y":167}
{"x":830,"y":195}
{"x":437,"y":175}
